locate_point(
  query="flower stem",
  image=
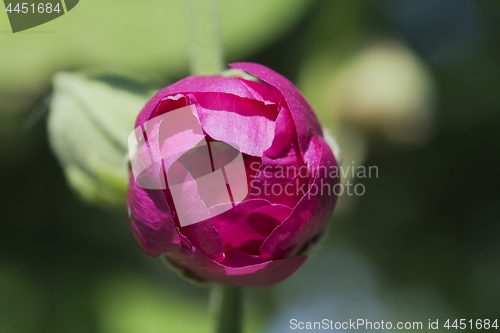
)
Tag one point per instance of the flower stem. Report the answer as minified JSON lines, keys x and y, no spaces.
{"x":227,"y":306}
{"x":205,"y":49}
{"x":207,"y":57}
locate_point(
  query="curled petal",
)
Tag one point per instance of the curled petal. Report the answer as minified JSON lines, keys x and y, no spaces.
{"x":303,"y":116}
{"x":283,"y":167}
{"x":210,"y":84}
{"x":191,"y":83}
{"x":309,"y":216}
{"x":245,"y":122}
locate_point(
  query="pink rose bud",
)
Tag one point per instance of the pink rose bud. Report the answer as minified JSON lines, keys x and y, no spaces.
{"x":231,"y":180}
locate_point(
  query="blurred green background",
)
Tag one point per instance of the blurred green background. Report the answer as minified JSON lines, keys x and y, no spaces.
{"x":412,"y":87}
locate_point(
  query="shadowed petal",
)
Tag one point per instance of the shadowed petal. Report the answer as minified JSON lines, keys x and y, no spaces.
{"x":309,"y":216}
{"x":259,"y":275}
{"x":151,"y":220}
{"x":248,"y":224}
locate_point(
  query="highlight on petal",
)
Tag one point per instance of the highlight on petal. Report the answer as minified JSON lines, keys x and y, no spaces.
{"x":161,"y":141}
{"x":303,"y":115}
{"x":245,"y":122}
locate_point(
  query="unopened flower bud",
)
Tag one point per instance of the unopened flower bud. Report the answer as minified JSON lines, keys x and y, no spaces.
{"x":231,"y":179}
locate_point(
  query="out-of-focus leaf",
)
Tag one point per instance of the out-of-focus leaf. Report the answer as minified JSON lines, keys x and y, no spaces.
{"x":333,"y":39}
{"x":89,"y":122}
{"x":148,"y":38}
{"x":130,"y":303}
{"x":20,"y":293}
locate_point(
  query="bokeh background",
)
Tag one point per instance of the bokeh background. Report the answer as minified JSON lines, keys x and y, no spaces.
{"x":412,"y":87}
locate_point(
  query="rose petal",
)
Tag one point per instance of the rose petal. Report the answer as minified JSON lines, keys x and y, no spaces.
{"x":232,"y":110}
{"x":151,"y":220}
{"x":205,"y":237}
{"x":283,"y":175}
{"x":245,"y":243}
{"x":248,"y":224}
{"x":242,"y":88}
{"x":311,"y":213}
{"x":245,"y":122}
{"x":215,"y":83}
{"x":285,"y":138}
{"x":191,"y":83}
{"x":263,"y":274}
{"x":193,"y":215}
{"x":235,"y":258}
{"x":305,"y":121}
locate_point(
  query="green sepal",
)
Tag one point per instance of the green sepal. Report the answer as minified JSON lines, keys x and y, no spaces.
{"x":90,"y":119}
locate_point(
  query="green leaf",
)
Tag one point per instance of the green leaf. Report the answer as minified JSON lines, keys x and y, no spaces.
{"x":89,"y":122}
